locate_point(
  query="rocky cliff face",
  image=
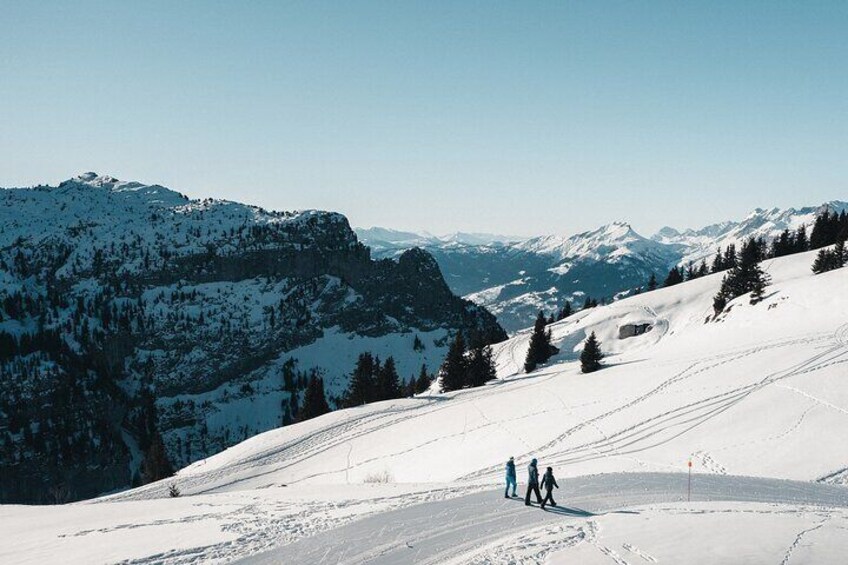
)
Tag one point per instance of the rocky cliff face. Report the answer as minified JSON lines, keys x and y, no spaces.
{"x":128,"y":310}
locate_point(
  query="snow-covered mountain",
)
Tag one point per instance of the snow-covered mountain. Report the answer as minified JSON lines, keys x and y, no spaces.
{"x":515,"y":279}
{"x":756,"y":400}
{"x":128,"y":310}
{"x":702,"y":243}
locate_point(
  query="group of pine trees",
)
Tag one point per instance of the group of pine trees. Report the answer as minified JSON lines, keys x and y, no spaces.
{"x":679,"y":274}
{"x":466,"y":368}
{"x":372,"y":381}
{"x":311,"y":385}
{"x":829,"y":229}
{"x":541,"y":349}
{"x":745,"y":276}
{"x":830,"y":259}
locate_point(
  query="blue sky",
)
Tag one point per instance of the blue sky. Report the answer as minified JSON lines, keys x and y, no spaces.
{"x":508,"y":117}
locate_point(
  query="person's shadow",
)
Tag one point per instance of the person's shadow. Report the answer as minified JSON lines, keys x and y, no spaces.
{"x":566,"y":511}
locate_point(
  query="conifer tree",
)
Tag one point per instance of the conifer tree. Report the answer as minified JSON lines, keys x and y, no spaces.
{"x":409,"y":388}
{"x":675,"y":276}
{"x":729,"y":259}
{"x":801,"y":242}
{"x":565,"y":311}
{"x":591,"y":356}
{"x":388,"y":381}
{"x":361,"y":388}
{"x":718,"y":262}
{"x":823,"y":261}
{"x":783,"y":244}
{"x":745,"y":276}
{"x":652,"y":282}
{"x":540,"y":344}
{"x":453,"y":369}
{"x":314,"y":400}
{"x":758,"y":281}
{"x":423,"y":381}
{"x":839,"y":257}
{"x":481,"y":367}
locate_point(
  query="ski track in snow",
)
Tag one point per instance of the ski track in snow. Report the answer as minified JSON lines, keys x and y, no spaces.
{"x":687,"y":416}
{"x":617,"y":425}
{"x":484,"y":528}
{"x":642,"y":435}
{"x":646,"y":556}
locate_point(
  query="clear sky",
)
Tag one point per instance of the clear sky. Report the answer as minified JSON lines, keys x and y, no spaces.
{"x":508,"y":117}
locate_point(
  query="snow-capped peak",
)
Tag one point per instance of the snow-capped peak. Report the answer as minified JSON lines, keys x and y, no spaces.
{"x":616,"y":237}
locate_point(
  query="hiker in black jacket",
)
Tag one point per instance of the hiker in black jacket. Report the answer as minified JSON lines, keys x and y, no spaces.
{"x":549,"y":482}
{"x":532,"y":483}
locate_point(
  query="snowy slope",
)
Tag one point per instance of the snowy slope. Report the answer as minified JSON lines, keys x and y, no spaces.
{"x":682,"y":390}
{"x":761,"y":392}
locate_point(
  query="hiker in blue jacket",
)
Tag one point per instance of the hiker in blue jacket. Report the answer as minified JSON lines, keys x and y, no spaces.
{"x":510,"y":477}
{"x":533,"y":483}
{"x":549,"y":482}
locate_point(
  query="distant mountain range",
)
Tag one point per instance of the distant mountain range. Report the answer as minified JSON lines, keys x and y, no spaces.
{"x":516,"y":277}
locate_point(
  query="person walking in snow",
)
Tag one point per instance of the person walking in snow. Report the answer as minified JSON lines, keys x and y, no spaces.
{"x":532,"y":483}
{"x":549,"y":482}
{"x":510,"y":477}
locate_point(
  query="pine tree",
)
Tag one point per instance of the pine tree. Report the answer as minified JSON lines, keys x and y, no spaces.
{"x":652,"y":282}
{"x":409,"y":388}
{"x":388,"y":381}
{"x":745,"y":276}
{"x":783,"y":244}
{"x":314,"y":401}
{"x":825,"y":228}
{"x":675,"y":276}
{"x":801,"y":242}
{"x":729,"y":259}
{"x":828,"y":260}
{"x":540,"y":349}
{"x":591,"y":356}
{"x":481,"y":367}
{"x":423,"y":381}
{"x":453,"y":369}
{"x":758,"y":281}
{"x":565,"y":311}
{"x":839,"y":256}
{"x":718,"y":262}
{"x":362,"y":388}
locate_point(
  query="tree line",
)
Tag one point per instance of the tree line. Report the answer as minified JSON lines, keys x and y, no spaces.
{"x":829,"y":229}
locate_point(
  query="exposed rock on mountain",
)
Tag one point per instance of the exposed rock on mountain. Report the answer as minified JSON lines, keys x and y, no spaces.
{"x":128,"y":312}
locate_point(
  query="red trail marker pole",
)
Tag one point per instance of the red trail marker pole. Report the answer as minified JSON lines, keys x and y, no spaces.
{"x":689,"y":490}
